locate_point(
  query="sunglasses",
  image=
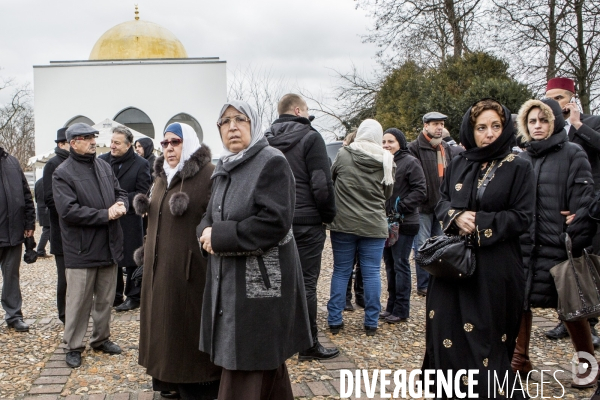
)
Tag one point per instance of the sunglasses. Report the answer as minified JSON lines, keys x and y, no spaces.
{"x":172,"y":142}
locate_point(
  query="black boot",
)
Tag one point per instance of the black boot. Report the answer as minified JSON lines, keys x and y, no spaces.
{"x":558,"y":332}
{"x":318,"y":352}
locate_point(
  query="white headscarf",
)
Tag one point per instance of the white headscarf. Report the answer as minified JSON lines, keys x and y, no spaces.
{"x":369,"y":137}
{"x":190,"y":145}
{"x":256,"y":132}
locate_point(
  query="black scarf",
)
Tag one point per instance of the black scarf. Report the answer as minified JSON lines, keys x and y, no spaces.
{"x":84,"y":158}
{"x":468,"y":173}
{"x":147,"y":145}
{"x":61,"y":153}
{"x":539,"y":148}
{"x":116,"y":162}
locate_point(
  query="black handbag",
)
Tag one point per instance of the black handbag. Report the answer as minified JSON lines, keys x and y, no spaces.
{"x":452,"y":256}
{"x":30,"y":255}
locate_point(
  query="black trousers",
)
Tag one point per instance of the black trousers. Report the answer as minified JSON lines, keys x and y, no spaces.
{"x":127,"y":288}
{"x":41,"y":249}
{"x":310,"y":240}
{"x":61,"y":287}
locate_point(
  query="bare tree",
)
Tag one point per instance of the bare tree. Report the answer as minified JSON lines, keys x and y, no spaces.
{"x":17,"y":134}
{"x":260,"y":88}
{"x":426,"y":31}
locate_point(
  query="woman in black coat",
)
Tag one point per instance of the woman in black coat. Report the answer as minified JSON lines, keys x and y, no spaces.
{"x":254,"y":314}
{"x":410,"y":189}
{"x":144,"y":147}
{"x":472,"y":323}
{"x":564,"y":191}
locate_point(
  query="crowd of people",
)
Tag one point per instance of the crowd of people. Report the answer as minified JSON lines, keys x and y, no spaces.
{"x":230,"y":254}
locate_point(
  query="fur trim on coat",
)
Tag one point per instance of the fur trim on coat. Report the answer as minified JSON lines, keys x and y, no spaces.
{"x":524,"y":112}
{"x":178,"y":203}
{"x":141,"y":204}
{"x":199,"y":159}
{"x":138,"y":256}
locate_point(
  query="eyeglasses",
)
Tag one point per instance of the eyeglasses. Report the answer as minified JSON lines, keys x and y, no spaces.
{"x":87,"y":138}
{"x":172,"y":142}
{"x":238,"y":119}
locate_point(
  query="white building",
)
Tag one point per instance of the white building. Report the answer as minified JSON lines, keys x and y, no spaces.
{"x":138,"y":74}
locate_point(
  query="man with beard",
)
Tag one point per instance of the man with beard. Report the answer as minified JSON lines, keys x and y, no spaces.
{"x":434,"y":154}
{"x":89,"y":202}
{"x":62,"y":153}
{"x":133,"y":173}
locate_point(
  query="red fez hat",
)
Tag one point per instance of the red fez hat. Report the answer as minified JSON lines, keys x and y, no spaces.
{"x":561,"y":83}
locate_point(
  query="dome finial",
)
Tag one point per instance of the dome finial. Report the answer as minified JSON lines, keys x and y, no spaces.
{"x":137,"y":13}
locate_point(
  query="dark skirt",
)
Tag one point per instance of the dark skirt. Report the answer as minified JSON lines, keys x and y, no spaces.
{"x":188,"y":391}
{"x":256,"y":385}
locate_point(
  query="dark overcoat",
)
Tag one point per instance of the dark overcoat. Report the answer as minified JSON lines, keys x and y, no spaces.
{"x":588,"y":137}
{"x":563,"y":183}
{"x":42,"y":211}
{"x":254,"y":314}
{"x":174,"y":277}
{"x":134,"y":178}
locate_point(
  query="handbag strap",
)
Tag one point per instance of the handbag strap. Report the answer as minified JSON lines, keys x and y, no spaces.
{"x":486,"y":181}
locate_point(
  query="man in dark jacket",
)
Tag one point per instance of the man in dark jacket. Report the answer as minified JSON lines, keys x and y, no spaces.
{"x":304,"y":149}
{"x":89,"y":202}
{"x":584,"y":130}
{"x":434,"y":154}
{"x":133,"y":174}
{"x":17,"y":221}
{"x":42,"y":217}
{"x":62,"y":153}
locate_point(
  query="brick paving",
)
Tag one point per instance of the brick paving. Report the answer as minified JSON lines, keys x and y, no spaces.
{"x":394,"y":347}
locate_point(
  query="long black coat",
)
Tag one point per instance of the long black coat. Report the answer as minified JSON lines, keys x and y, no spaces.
{"x":42,"y":210}
{"x":254,"y":314}
{"x":83,"y":193}
{"x":473,"y":323}
{"x":49,"y":168}
{"x":175,"y":276}
{"x":134,"y":178}
{"x":588,"y":137}
{"x":564,"y":183}
{"x":427,"y":156}
{"x":19,"y":202}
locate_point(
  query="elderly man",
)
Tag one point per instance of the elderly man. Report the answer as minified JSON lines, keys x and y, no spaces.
{"x":133,"y":173}
{"x":584,"y":130}
{"x":434,"y":154}
{"x":17,"y":221}
{"x":89,"y":202}
{"x":304,"y":149}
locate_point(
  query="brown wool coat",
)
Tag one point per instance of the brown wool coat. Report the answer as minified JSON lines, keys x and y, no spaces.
{"x":174,"y":277}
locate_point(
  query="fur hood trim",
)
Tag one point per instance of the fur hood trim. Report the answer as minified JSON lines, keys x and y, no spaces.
{"x":524,"y":112}
{"x":191,"y":167}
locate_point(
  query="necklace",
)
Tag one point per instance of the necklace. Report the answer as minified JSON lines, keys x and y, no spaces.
{"x":490,"y":167}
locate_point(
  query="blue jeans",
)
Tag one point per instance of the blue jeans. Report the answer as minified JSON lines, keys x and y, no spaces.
{"x":345,"y":246}
{"x":397,"y":268}
{"x":429,"y":226}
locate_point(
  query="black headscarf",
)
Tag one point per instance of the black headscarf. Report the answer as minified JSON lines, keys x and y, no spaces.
{"x":148,"y":146}
{"x":537,"y":148}
{"x":468,"y":172}
{"x":399,"y":135}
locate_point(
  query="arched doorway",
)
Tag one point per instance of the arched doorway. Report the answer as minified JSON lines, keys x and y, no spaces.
{"x":78,"y":119}
{"x":137,"y":120}
{"x":191,"y":121}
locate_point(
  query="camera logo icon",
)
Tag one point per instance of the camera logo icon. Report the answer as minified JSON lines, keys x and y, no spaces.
{"x":584,"y":368}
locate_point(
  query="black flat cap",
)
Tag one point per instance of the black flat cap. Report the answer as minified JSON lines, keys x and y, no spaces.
{"x":434,"y":116}
{"x":60,"y":135}
{"x":80,"y":129}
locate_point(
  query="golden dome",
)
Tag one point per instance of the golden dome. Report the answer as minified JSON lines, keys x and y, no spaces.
{"x":137,"y":39}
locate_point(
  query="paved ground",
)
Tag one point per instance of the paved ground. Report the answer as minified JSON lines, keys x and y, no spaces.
{"x":32,"y":364}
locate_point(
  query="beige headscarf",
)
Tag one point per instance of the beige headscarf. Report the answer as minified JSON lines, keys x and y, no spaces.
{"x":369,"y":137}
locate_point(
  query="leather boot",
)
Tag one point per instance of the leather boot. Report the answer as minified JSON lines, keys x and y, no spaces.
{"x":520,"y":361}
{"x":581,"y":337}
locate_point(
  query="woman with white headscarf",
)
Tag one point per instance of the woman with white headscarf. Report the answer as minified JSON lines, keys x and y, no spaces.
{"x":254,"y":314}
{"x":174,"y":269}
{"x":363,"y":176}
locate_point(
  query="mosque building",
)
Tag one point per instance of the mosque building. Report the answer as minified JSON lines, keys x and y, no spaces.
{"x":138,"y":74}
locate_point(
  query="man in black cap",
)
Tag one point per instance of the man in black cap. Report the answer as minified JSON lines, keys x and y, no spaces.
{"x":62,"y":153}
{"x":434,"y":154}
{"x":17,"y":221}
{"x":89,"y":202}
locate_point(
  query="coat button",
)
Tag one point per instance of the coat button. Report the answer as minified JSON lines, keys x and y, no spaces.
{"x":217,"y":277}
{"x":220,"y":312}
{"x":219,"y":208}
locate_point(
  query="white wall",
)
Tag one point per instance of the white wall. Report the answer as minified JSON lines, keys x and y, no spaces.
{"x":101,"y":90}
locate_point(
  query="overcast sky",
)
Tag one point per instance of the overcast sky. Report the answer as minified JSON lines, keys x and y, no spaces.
{"x":301,"y":40}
